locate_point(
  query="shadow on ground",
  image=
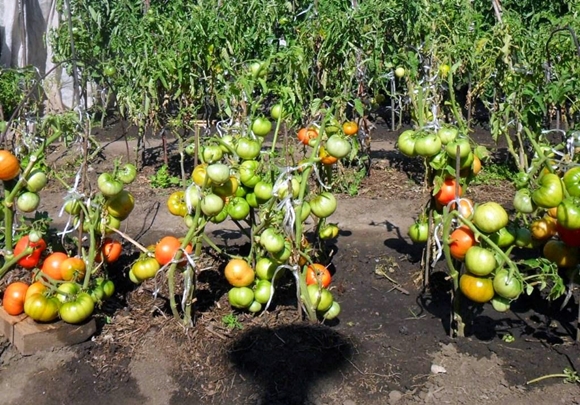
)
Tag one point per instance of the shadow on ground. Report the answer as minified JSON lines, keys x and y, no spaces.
{"x":285,"y":362}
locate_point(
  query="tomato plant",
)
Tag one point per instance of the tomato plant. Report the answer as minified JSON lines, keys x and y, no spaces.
{"x":419,"y":232}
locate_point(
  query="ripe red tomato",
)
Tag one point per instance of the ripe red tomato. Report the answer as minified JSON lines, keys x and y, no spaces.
{"x":51,"y":265}
{"x":316,"y":272}
{"x":460,"y":241}
{"x":30,"y":261}
{"x":446,"y":193}
{"x":167,"y":247}
{"x":13,"y":301}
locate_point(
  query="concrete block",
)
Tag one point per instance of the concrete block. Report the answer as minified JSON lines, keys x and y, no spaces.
{"x":30,"y":336}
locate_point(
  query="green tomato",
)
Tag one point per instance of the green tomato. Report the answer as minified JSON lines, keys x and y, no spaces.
{"x":66,"y":291}
{"x":523,"y":201}
{"x":28,"y":201}
{"x":419,"y":232}
{"x":248,"y":149}
{"x":41,"y":308}
{"x":212,"y":205}
{"x":271,"y":240}
{"x":568,"y":213}
{"x":427,"y":145}
{"x":490,"y":217}
{"x":263,"y":291}
{"x":145,"y":268}
{"x":212,"y":154}
{"x":332,"y":312}
{"x":500,"y":304}
{"x":265,"y":268}
{"x":248,"y":170}
{"x":277,"y":111}
{"x":550,"y":192}
{"x":447,"y":134}
{"x":505,"y":237}
{"x":480,"y":261}
{"x":261,"y":126}
{"x":121,"y":205}
{"x":108,"y":186}
{"x":78,"y":310}
{"x":406,"y":143}
{"x":464,"y":148}
{"x":36,"y":180}
{"x":571,"y":181}
{"x":320,"y":296}
{"x":238,"y":208}
{"x":337,"y":146}
{"x":127,"y":173}
{"x":218,"y":173}
{"x":240,"y":297}
{"x":263,"y":190}
{"x":108,"y":288}
{"x":505,"y":286}
{"x":323,"y":205}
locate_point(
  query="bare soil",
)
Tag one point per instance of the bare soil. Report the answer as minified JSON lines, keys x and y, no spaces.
{"x":390,"y":344}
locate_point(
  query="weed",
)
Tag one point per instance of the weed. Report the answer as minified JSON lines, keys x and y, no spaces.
{"x":163,"y":179}
{"x":232,"y":322}
{"x":495,"y":173}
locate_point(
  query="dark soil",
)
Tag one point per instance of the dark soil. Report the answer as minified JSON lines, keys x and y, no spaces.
{"x":391,"y":333}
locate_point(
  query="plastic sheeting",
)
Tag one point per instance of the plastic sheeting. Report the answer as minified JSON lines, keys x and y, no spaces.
{"x":24,"y":27}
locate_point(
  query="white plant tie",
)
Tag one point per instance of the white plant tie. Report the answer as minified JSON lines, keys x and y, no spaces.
{"x":439,"y":251}
{"x":188,"y":201}
{"x":294,"y":270}
{"x":458,"y":208}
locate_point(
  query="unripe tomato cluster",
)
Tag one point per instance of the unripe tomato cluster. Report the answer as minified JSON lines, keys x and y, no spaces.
{"x":158,"y":255}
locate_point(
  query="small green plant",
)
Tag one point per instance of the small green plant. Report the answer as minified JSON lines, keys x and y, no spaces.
{"x":232,"y":322}
{"x":569,"y":376}
{"x":163,"y":179}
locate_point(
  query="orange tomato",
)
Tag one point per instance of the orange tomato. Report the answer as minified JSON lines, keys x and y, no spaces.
{"x":239,"y":273}
{"x":460,"y":240}
{"x":167,"y":247}
{"x":36,"y":288}
{"x":51,"y":265}
{"x":9,"y":165}
{"x":543,"y":228}
{"x":325,"y":158}
{"x":465,"y":207}
{"x":110,"y":250}
{"x":316,"y":272}
{"x":14,"y":296}
{"x":305,"y":135}
{"x":477,"y":289}
{"x":350,"y":128}
{"x":73,"y":269}
{"x":446,"y":193}
{"x":476,"y":165}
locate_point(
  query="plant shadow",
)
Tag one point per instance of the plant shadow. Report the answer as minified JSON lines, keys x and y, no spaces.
{"x":286,"y":361}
